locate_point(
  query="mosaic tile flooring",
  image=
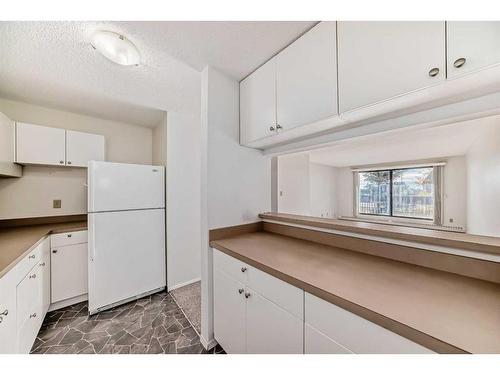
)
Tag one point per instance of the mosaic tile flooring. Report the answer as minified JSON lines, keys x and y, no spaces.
{"x":150,"y":325}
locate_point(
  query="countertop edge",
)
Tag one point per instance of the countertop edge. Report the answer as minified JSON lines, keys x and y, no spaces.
{"x":392,"y":325}
{"x":380,"y":231}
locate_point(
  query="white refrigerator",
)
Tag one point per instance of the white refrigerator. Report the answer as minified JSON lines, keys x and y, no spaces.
{"x":126,"y":226}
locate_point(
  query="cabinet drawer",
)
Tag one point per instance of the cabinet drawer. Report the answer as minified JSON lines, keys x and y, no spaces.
{"x":318,"y":343}
{"x":29,"y":261}
{"x":70,"y":238}
{"x":353,"y":332}
{"x":231,"y":266}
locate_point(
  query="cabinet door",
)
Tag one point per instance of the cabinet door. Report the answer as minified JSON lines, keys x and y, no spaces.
{"x":306,"y":78}
{"x":229,"y":313}
{"x":69,"y":266}
{"x":39,"y":144}
{"x":381,"y":60}
{"x":271,"y":329}
{"x":29,"y":310}
{"x":8,"y":325}
{"x":44,"y":265}
{"x":316,"y":342}
{"x":83,"y":147}
{"x":472,"y":46}
{"x":258,"y":103}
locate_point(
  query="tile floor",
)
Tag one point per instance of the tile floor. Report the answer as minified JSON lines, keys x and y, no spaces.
{"x":150,"y":325}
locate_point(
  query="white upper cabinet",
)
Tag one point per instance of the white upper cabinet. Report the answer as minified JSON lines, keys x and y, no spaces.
{"x":44,"y":145}
{"x":306,"y":78}
{"x":37,"y":144}
{"x":258,"y":103}
{"x":381,"y":60}
{"x":83,"y":147}
{"x":472,"y":46}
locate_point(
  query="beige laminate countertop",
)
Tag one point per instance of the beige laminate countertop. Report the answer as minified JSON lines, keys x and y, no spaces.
{"x":16,"y":242}
{"x":442,"y":311}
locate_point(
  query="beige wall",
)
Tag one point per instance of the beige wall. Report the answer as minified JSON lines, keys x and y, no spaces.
{"x":32,"y":194}
{"x":160,"y":143}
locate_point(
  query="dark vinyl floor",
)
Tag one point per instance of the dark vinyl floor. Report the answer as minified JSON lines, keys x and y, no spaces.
{"x":150,"y":325}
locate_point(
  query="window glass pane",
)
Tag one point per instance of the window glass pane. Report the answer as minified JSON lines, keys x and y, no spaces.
{"x":413,"y":193}
{"x":374,"y":194}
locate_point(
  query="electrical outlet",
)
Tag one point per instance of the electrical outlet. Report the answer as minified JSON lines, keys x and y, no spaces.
{"x":56,"y":203}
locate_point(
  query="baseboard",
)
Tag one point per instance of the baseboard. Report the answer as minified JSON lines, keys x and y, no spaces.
{"x":208,"y":344}
{"x":180,"y":285}
{"x":68,"y":302}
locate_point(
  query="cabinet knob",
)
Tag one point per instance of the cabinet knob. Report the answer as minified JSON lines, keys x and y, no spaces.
{"x":42,"y":264}
{"x":279,"y":127}
{"x":240,"y":290}
{"x":243,"y":269}
{"x":61,"y":161}
{"x":459,"y":62}
{"x":1,"y":319}
{"x":434,"y":72}
{"x":5,"y":312}
{"x":272,"y":128}
{"x":70,"y":235}
{"x":54,"y":251}
{"x":33,"y":315}
{"x":247,"y":295}
{"x":33,"y":276}
{"x":31,"y":256}
{"x":69,"y":162}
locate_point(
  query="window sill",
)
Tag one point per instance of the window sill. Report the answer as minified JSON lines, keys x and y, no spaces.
{"x":401,"y":222}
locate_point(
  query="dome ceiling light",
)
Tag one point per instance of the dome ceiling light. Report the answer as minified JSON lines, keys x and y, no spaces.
{"x":116,"y":48}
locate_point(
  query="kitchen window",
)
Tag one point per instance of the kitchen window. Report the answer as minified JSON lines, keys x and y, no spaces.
{"x":409,"y":193}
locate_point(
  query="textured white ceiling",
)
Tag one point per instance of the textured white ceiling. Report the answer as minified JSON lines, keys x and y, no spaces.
{"x":53,"y":64}
{"x":406,"y":145}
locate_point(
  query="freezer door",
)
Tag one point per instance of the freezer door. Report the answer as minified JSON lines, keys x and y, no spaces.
{"x":126,"y":255}
{"x":116,"y":186}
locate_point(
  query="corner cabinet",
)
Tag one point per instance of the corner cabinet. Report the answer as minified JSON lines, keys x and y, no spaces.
{"x":44,"y":145}
{"x":381,"y":60}
{"x":253,"y":311}
{"x":472,"y":46}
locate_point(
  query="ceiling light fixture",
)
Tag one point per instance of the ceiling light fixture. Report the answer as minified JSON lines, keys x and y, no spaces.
{"x":116,"y":48}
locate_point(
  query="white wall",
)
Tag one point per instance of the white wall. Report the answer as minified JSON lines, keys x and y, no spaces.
{"x":322,"y":190}
{"x":294,"y":184}
{"x":236,"y":181}
{"x":483,"y":181}
{"x":183,"y":199}
{"x":32,"y":194}
{"x":160,"y":143}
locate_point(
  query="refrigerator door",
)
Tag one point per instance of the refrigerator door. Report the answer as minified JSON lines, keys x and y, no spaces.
{"x":126,"y":255}
{"x":117,"y":187}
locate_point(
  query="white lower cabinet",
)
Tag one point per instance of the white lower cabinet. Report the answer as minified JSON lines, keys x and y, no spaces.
{"x":351,"y":332}
{"x":8,"y":325}
{"x":250,"y":315}
{"x":316,"y":342}
{"x":230,"y":313}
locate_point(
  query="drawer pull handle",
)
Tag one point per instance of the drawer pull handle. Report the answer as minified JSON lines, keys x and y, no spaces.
{"x":33,"y":315}
{"x":240,"y":290}
{"x":33,"y":276}
{"x":434,"y":72}
{"x":31,"y":256}
{"x":6,"y":312}
{"x":247,"y":295}
{"x":459,"y":62}
{"x":70,"y":235}
{"x":243,"y":269}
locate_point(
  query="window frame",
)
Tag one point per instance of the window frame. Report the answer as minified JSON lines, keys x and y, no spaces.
{"x":438,"y":195}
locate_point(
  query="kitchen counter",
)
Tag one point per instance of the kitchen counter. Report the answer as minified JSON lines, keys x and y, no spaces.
{"x":444,"y":312}
{"x":16,"y":242}
{"x":471,"y":242}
